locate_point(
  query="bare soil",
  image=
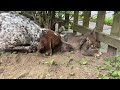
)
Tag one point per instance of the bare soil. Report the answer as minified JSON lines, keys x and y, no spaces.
{"x":68,"y":65}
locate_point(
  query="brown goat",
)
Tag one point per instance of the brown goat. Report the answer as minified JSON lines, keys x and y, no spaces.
{"x":51,"y":42}
{"x":89,"y":45}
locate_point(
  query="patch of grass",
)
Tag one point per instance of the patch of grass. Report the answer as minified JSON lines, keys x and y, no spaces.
{"x":82,"y":62}
{"x":93,"y":19}
{"x":78,"y":61}
{"x":107,"y":21}
{"x":111,"y":68}
{"x":52,"y":62}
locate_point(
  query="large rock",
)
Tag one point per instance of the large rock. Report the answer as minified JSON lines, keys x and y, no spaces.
{"x":17,"y":30}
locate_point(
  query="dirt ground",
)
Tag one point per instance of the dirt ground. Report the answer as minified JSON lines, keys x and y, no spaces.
{"x":68,"y":65}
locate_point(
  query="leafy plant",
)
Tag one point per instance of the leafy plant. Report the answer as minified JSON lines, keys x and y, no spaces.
{"x":52,"y":62}
{"x":104,"y":76}
{"x":108,"y":21}
{"x":112,"y":68}
{"x":84,"y":62}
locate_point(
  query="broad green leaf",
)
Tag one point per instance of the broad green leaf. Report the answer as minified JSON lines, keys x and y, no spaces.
{"x":119,"y":73}
{"x":103,"y":67}
{"x":117,"y":57}
{"x":111,"y":71}
{"x":105,"y":77}
{"x":115,"y":74}
{"x":82,"y":17}
{"x":84,"y":62}
{"x":107,"y":63}
{"x":46,"y":62}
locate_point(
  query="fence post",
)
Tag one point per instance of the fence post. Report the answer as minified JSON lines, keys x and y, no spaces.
{"x":52,"y":26}
{"x":86,"y":18}
{"x":100,"y":20}
{"x":75,"y":21}
{"x":115,"y":30}
{"x":66,"y":19}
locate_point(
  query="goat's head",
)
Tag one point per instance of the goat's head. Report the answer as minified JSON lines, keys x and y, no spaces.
{"x":89,"y":45}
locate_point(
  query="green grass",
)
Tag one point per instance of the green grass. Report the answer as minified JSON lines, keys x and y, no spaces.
{"x":107,"y":21}
{"x":111,"y":67}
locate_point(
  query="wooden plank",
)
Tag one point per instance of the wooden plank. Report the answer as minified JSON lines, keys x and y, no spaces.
{"x":86,"y":19}
{"x":100,"y":20}
{"x":115,"y":31}
{"x":75,"y":21}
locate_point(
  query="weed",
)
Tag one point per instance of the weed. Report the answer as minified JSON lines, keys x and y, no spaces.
{"x":112,"y":68}
{"x":82,"y":62}
{"x":52,"y":62}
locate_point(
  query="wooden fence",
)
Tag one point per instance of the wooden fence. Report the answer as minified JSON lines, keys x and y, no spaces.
{"x":112,"y":40}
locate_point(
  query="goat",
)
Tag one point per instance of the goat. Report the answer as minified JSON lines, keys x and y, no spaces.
{"x":51,"y":42}
{"x":89,"y":45}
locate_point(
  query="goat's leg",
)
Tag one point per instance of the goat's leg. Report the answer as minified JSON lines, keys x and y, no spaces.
{"x":51,"y":48}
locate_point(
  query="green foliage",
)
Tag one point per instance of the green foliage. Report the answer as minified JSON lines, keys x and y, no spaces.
{"x":82,"y":62}
{"x":111,"y":67}
{"x":69,"y":26}
{"x":108,"y":21}
{"x":116,"y":12}
{"x":52,"y":62}
{"x":70,"y":12}
{"x":104,"y":76}
{"x":93,"y":19}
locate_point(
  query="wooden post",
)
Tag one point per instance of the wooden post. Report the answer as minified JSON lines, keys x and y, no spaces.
{"x":52,"y":26}
{"x":75,"y":21}
{"x":100,"y":21}
{"x":66,"y":19}
{"x":86,"y":18}
{"x":116,"y":32}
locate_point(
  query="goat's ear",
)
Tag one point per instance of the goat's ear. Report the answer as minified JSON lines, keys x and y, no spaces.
{"x":93,"y":31}
{"x":82,"y":41}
